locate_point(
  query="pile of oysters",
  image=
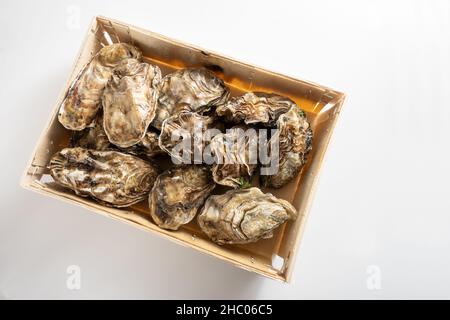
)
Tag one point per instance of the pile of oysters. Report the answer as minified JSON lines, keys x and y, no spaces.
{"x":123,"y":114}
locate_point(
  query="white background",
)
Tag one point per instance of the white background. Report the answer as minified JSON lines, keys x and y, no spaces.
{"x":383,"y":198}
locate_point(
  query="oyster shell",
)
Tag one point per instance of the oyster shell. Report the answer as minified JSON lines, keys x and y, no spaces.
{"x":129,"y":102}
{"x":93,"y":137}
{"x":294,"y":137}
{"x":235,"y":156}
{"x":111,"y":177}
{"x":148,"y":147}
{"x":82,"y":102}
{"x":255,"y":107}
{"x":189,"y":89}
{"x":243,"y":215}
{"x":182,"y":136}
{"x":177,"y":195}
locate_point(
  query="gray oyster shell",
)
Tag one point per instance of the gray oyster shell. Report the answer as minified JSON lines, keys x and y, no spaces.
{"x":233,"y":165}
{"x":255,"y":107}
{"x":111,"y":177}
{"x":243,"y":216}
{"x":95,"y":138}
{"x":83,"y":100}
{"x":294,"y":137}
{"x":185,"y":129}
{"x":178,"y":194}
{"x":148,"y":147}
{"x":189,"y":89}
{"x":129,"y":102}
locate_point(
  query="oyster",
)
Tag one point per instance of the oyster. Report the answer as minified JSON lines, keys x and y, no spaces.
{"x":294,"y":138}
{"x":93,"y":137}
{"x":177,"y":195}
{"x":111,"y":177}
{"x":148,"y":147}
{"x":185,"y":132}
{"x":243,"y":215}
{"x":235,"y":155}
{"x":189,"y":89}
{"x":82,"y":102}
{"x":129,"y":102}
{"x":255,"y":107}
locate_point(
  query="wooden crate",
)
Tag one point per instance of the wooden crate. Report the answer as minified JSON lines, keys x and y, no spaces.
{"x":273,"y":257}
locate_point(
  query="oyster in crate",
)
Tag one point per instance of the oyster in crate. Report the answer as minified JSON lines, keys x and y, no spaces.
{"x":294,"y":140}
{"x":83,"y":100}
{"x":129,"y":102}
{"x":148,"y":147}
{"x":255,"y":107}
{"x":235,"y":156}
{"x":93,"y":137}
{"x":183,"y":136}
{"x":243,"y":215}
{"x":112,"y":178}
{"x":177,"y":195}
{"x":189,"y":89}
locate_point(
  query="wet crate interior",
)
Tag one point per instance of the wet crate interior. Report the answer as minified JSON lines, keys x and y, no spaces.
{"x":271,"y":257}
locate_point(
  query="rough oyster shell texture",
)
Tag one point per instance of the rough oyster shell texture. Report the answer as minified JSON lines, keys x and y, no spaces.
{"x":255,"y":107}
{"x":185,"y":129}
{"x":232,"y":151}
{"x":148,"y":147}
{"x":129,"y":101}
{"x":243,"y":215}
{"x":83,"y":99}
{"x":178,"y":194}
{"x":111,"y":177}
{"x":189,"y":89}
{"x":94,"y":137}
{"x":294,"y":136}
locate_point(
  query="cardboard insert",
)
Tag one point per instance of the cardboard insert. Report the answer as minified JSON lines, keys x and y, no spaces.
{"x":274,"y":257}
